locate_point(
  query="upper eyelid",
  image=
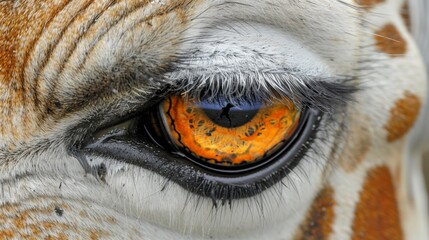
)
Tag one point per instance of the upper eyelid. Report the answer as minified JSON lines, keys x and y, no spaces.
{"x":256,"y":81}
{"x":325,"y":94}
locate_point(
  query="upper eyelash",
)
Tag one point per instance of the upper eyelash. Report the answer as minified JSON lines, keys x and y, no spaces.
{"x":325,"y":94}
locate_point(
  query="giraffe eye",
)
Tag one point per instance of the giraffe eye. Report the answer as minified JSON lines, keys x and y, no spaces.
{"x":213,"y":148}
{"x":222,"y":136}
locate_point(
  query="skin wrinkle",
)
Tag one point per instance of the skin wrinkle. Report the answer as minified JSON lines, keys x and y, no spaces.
{"x":25,"y":22}
{"x":49,"y":50}
{"x":123,"y":17}
{"x":78,"y":40}
{"x":21,"y":99}
{"x":144,"y":20}
{"x":19,"y":77}
{"x":163,"y":13}
{"x":88,"y":26}
{"x":13,"y":44}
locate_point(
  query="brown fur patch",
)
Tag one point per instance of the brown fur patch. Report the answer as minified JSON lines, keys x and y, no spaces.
{"x":376,"y":214}
{"x":368,"y":4}
{"x":389,"y":40}
{"x":357,"y":144}
{"x":319,"y":220}
{"x":19,"y":27}
{"x":6,"y":234}
{"x":402,"y":116}
{"x":20,"y":24}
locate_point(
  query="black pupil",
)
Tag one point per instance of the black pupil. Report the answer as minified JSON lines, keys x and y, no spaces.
{"x":230,"y":115}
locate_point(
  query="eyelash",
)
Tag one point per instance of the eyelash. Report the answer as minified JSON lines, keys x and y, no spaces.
{"x":323,"y":93}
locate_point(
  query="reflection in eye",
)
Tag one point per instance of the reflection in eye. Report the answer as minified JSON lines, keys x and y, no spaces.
{"x":227,"y":134}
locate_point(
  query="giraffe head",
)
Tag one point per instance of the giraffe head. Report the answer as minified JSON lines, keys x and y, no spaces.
{"x":106,"y":129}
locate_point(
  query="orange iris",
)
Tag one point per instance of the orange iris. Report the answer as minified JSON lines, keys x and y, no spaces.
{"x":196,"y":130}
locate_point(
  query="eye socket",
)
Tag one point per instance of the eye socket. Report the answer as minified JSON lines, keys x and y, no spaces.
{"x":160,"y":139}
{"x":221,"y":136}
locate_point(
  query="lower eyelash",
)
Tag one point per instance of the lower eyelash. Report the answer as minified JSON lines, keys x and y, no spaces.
{"x":262,"y":201}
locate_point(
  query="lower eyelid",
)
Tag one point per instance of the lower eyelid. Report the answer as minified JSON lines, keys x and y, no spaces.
{"x":153,"y":198}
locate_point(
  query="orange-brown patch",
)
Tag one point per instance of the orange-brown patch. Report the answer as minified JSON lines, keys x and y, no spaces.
{"x":367,"y":4}
{"x":94,"y":235}
{"x":19,"y":28}
{"x":20,"y":24}
{"x":402,"y":116}
{"x":376,"y":214}
{"x":405,"y":14}
{"x":21,"y":220}
{"x":6,"y":234}
{"x":357,"y":144}
{"x":7,"y":43}
{"x":319,"y":219}
{"x":389,"y":40}
{"x":35,"y":229}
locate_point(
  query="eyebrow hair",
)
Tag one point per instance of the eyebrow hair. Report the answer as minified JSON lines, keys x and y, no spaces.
{"x":325,"y":94}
